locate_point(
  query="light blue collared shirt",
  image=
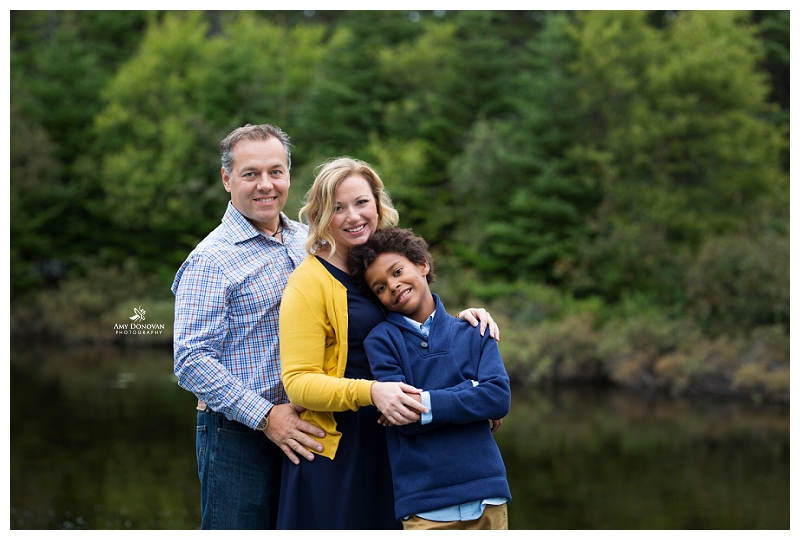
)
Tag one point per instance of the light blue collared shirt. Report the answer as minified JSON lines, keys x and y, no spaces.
{"x":424,"y":329}
{"x":462,"y":512}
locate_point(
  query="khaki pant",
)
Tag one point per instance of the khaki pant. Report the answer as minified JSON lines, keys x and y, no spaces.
{"x":494,"y":518}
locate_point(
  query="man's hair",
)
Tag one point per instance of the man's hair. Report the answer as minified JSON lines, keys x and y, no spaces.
{"x":389,"y":240}
{"x":249,"y":132}
{"x":320,"y":203}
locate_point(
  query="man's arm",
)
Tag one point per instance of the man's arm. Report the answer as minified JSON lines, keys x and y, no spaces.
{"x":202,"y":313}
{"x":201,"y":330}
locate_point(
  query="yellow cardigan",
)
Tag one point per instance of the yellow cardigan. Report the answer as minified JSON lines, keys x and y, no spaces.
{"x":313,"y":342}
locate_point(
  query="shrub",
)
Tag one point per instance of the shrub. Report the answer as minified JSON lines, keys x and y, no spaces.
{"x":554,"y":351}
{"x":85,"y":306}
{"x":631,"y":347}
{"x":764,"y":364}
{"x":738,"y":283}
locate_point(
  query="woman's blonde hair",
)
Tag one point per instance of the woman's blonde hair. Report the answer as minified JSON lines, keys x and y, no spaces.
{"x":320,"y":200}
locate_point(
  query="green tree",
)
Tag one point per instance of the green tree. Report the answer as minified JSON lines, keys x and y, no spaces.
{"x":343,"y":109}
{"x":167,"y":109}
{"x":673,"y":122}
{"x":458,"y":70}
{"x":37,"y":197}
{"x":774,"y":34}
{"x":59,"y":61}
{"x":524,"y":203}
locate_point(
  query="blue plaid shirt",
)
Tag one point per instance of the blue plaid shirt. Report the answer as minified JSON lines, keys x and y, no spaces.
{"x":227,"y":297}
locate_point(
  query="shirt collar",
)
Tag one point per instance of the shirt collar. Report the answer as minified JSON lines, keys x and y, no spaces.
{"x":241,"y":229}
{"x":424,"y":328}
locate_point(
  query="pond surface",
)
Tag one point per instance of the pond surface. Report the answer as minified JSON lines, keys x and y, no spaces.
{"x":103,"y":438}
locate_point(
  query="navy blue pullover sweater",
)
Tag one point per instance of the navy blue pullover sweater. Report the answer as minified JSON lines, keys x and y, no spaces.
{"x":454,"y":459}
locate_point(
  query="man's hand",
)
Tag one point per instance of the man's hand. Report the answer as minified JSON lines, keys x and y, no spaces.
{"x":289,"y":432}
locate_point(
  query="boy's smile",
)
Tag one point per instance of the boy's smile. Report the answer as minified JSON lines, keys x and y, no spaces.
{"x":401,"y":285}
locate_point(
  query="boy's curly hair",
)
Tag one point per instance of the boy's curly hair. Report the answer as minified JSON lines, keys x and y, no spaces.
{"x":388,"y":240}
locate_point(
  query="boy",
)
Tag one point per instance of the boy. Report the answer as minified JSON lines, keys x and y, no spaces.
{"x":446,"y":469}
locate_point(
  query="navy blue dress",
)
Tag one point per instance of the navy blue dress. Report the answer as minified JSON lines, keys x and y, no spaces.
{"x":354,"y":490}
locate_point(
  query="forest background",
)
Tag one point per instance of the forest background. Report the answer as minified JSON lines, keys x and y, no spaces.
{"x":612,"y":185}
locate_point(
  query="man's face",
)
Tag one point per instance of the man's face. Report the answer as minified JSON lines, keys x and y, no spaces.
{"x":259,"y":182}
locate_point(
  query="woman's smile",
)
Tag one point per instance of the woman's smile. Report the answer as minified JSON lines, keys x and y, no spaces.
{"x":355,"y":217}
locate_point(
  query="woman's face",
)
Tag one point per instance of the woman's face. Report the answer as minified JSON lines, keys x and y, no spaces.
{"x":355,"y":215}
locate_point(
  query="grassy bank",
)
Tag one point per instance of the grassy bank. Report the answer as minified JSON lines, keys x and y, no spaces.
{"x":550,"y":338}
{"x":98,"y":306}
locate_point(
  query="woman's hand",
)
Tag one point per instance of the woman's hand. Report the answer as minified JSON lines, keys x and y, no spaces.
{"x":475,"y":316}
{"x":382,"y":420}
{"x":391,"y":400}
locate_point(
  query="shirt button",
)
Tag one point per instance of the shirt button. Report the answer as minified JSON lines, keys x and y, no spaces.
{"x":424,"y":344}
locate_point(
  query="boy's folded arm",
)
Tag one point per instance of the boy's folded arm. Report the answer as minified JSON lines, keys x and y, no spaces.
{"x":463,"y":385}
{"x":418,"y":427}
{"x":490,"y":399}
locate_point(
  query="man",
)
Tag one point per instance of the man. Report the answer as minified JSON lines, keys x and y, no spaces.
{"x":227,"y":296}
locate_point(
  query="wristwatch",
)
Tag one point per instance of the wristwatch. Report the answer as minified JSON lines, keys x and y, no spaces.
{"x":264,"y":424}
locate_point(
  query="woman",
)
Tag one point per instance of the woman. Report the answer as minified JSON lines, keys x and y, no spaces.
{"x":323,"y":322}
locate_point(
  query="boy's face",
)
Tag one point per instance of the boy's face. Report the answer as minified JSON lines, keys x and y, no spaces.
{"x":401,"y":286}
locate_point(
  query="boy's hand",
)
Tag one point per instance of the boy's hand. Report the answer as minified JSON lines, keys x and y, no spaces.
{"x":415,"y":396}
{"x":496,"y":424}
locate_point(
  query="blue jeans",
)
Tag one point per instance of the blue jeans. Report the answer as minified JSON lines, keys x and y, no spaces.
{"x":240,"y":474}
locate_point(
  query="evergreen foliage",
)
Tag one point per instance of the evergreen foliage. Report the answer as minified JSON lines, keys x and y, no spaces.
{"x":590,"y":167}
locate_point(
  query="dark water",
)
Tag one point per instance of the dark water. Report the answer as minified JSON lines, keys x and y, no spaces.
{"x":104,"y":439}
